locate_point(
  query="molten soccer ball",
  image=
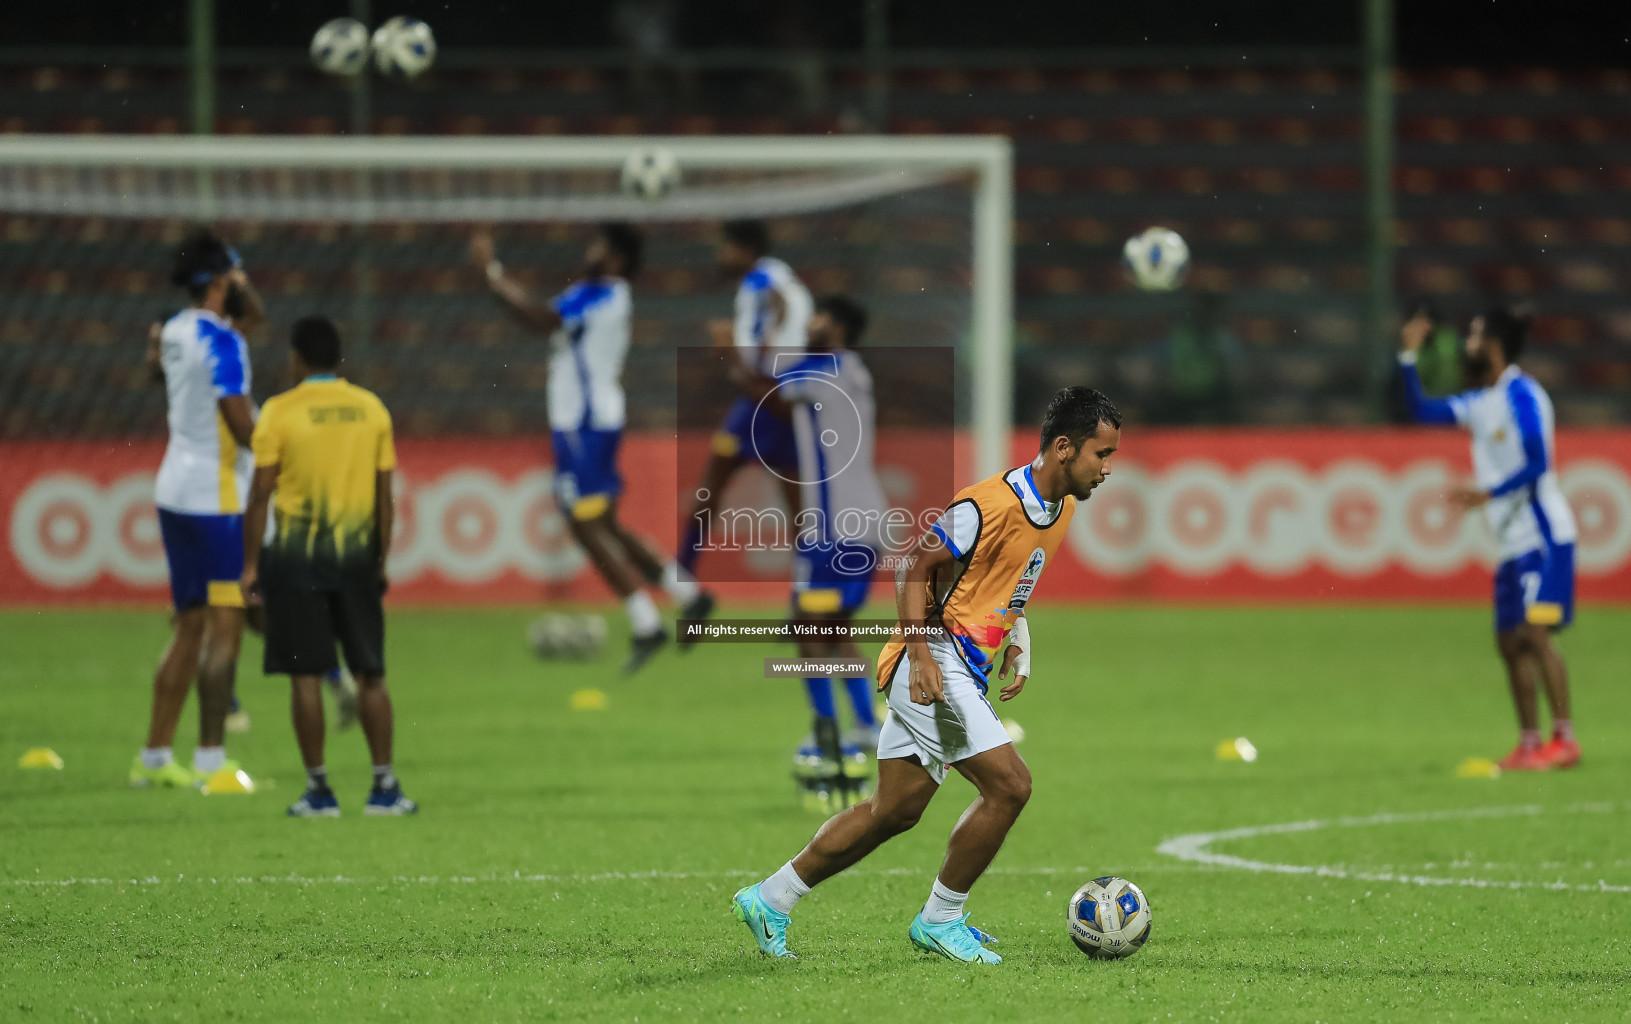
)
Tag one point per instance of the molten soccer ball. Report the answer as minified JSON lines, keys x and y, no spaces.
{"x":1109,"y":918}
{"x":404,"y":47}
{"x":651,"y":173}
{"x":340,"y":47}
{"x":1157,"y":260}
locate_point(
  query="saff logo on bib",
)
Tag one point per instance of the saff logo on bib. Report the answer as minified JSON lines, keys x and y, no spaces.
{"x":1027,"y":579}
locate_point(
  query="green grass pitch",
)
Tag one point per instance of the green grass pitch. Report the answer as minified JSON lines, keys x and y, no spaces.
{"x":578,"y":865}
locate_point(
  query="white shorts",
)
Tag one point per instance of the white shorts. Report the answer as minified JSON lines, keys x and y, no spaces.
{"x":940,"y":734}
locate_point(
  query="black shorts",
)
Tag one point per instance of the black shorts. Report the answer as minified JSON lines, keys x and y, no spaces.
{"x":304,"y":624}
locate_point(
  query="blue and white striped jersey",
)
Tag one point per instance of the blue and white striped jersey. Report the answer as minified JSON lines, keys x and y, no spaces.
{"x":773,"y":311}
{"x":586,"y":368}
{"x":204,"y":472}
{"x":1514,"y":456}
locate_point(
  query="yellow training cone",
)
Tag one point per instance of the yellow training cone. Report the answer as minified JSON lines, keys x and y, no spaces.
{"x":40,"y":757}
{"x":1477,"y":768}
{"x":589,"y":700}
{"x":1238,"y":749}
{"x":225,"y":781}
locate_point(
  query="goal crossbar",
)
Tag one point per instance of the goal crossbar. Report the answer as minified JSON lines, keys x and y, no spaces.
{"x":874,"y":165}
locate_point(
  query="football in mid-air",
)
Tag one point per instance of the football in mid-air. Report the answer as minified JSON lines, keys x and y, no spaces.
{"x":340,"y":47}
{"x":404,"y":47}
{"x":650,"y":173}
{"x":1157,"y":260}
{"x":1109,"y":918}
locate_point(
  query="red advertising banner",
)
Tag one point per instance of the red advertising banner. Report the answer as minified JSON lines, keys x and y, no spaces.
{"x":1187,"y":515}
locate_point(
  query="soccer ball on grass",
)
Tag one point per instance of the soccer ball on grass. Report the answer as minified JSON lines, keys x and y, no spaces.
{"x":340,"y":47}
{"x":1109,"y":918}
{"x":567,"y":637}
{"x":1157,"y":260}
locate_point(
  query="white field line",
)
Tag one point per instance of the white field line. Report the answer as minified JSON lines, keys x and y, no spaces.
{"x":1193,"y":848}
{"x":517,"y":876}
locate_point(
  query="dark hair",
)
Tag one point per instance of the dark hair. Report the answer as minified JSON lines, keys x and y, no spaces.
{"x":318,"y":342}
{"x":751,"y":235}
{"x":1076,"y":413}
{"x":851,"y":315}
{"x":198,"y":260}
{"x":624,"y":239}
{"x":1508,"y":326}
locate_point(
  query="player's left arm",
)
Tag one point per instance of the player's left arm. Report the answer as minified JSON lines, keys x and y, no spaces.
{"x":240,"y":421}
{"x":1018,"y":657}
{"x":155,"y":352}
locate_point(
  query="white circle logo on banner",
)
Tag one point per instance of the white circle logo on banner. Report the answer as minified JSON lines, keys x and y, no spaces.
{"x":1357,"y":518}
{"x":133,"y":547}
{"x":55,"y":530}
{"x":1600,"y":495}
{"x":1434,"y":536}
{"x":1280,"y":507}
{"x":1111,"y":532}
{"x":1195,"y":520}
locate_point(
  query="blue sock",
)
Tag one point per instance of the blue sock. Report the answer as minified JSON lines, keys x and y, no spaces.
{"x":860,"y":697}
{"x":820,"y":690}
{"x":690,"y":548}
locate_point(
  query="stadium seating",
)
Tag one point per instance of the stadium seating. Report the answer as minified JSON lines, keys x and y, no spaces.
{"x":1514,"y":186}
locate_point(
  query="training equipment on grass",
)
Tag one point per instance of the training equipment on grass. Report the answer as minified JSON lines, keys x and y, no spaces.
{"x":1238,"y":749}
{"x":651,"y":173}
{"x":1157,"y":260}
{"x":1477,"y":768}
{"x":1109,"y":918}
{"x":567,"y":637}
{"x":40,"y":757}
{"x":404,"y":47}
{"x":227,"y":781}
{"x":340,"y":47}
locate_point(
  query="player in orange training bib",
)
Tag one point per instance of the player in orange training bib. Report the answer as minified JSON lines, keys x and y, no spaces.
{"x":961,"y":599}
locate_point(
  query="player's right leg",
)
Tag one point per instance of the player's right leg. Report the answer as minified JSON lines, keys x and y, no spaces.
{"x":300,"y":644}
{"x":186,"y":553}
{"x":905,"y":788}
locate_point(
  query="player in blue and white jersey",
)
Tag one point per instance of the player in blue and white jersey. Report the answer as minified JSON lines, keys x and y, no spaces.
{"x":827,"y":395}
{"x":202,"y":485}
{"x":589,"y":327}
{"x":1515,"y":468}
{"x":772,"y":316}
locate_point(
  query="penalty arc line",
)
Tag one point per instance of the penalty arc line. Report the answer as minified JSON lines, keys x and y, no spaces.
{"x":1194,"y":848}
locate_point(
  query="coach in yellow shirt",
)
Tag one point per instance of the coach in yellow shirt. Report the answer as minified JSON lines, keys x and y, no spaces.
{"x":324,"y":448}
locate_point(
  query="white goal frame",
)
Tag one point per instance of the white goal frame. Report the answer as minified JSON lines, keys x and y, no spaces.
{"x":987,"y":158}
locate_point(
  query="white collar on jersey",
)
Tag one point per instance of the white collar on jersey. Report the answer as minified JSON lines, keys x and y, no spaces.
{"x":1023,"y":484}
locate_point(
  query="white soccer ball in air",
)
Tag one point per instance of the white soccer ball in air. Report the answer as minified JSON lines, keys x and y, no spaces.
{"x":567,"y":637}
{"x":404,"y":47}
{"x":651,"y":173}
{"x":340,"y":47}
{"x":1109,"y":918}
{"x":1157,"y":259}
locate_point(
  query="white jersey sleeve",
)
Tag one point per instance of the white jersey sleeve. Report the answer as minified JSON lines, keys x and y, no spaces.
{"x":959,"y":527}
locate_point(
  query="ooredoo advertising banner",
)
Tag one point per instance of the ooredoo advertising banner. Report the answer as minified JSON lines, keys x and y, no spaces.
{"x":1187,"y":515}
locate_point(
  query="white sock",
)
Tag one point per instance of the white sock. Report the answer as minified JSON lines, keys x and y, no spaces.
{"x":678,"y":584}
{"x":643,"y":616}
{"x":209,"y":759}
{"x":944,"y":906}
{"x":156,"y":757}
{"x":784,"y":889}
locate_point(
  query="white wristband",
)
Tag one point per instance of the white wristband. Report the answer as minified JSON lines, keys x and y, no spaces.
{"x":495,"y":270}
{"x":1407,"y":358}
{"x":1020,"y":636}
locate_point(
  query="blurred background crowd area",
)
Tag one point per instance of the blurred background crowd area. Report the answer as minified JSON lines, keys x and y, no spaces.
{"x":1512,"y":183}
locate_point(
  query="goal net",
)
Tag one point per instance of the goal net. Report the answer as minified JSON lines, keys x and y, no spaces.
{"x":373,"y":232}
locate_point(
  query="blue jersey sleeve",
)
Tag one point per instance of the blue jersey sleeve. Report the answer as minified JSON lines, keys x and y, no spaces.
{"x":1526,"y":412}
{"x":1439,"y":411}
{"x":226,"y":358}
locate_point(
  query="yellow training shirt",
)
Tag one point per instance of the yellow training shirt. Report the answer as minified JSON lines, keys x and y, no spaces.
{"x":329,"y":438}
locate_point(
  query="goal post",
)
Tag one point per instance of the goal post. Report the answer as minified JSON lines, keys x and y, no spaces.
{"x":412,"y":178}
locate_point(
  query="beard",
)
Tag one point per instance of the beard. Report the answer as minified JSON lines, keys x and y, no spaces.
{"x":236,"y":303}
{"x":1475,"y":369}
